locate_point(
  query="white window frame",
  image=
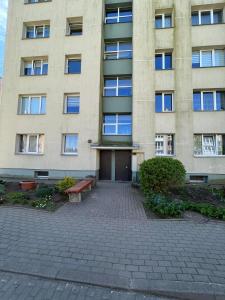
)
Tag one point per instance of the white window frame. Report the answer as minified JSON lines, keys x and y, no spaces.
{"x":29,"y":101}
{"x":116,"y":124}
{"x":65,"y":103}
{"x":117,"y":85}
{"x":211,"y":16}
{"x":32,"y":62}
{"x":163,"y":15}
{"x":118,"y":51}
{"x":163,"y":138}
{"x":164,"y":60}
{"x":28,"y":142}
{"x":214,"y":99}
{"x":118,"y":15}
{"x":35,"y":31}
{"x":163,"y":101}
{"x":213,"y":56}
{"x":215,"y":138}
{"x":64,"y":144}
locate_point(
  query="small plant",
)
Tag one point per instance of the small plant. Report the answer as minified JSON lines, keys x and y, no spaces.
{"x":2,"y":189}
{"x":16,"y":197}
{"x":159,"y":174}
{"x":65,"y":184}
{"x":44,"y":191}
{"x":44,"y":203}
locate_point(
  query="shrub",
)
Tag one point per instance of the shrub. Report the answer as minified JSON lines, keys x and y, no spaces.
{"x":2,"y":189}
{"x":65,"y":184}
{"x":160,"y":174}
{"x":44,"y":191}
{"x":16,"y":197}
{"x":44,"y":203}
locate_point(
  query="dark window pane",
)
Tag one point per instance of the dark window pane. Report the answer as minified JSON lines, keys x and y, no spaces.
{"x":217,"y":16}
{"x":158,"y":22}
{"x":158,"y":62}
{"x":74,"y":66}
{"x":168,"y":102}
{"x":168,"y":21}
{"x":45,"y":69}
{"x":125,"y":91}
{"x":197,"y":101}
{"x":110,"y":82}
{"x":208,"y":103}
{"x":124,"y":119}
{"x":47,"y":31}
{"x":109,"y":119}
{"x":111,"y":13}
{"x":127,"y":19}
{"x":168,"y":61}
{"x":110,"y":92}
{"x":158,"y":103}
{"x":30,"y":32}
{"x":195,"y":18}
{"x":196,"y":59}
{"x":125,"y":129}
{"x":220,"y":100}
{"x":205,"y":17}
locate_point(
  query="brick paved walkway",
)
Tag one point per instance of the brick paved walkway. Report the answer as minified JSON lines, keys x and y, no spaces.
{"x":109,"y":200}
{"x":14,"y":287}
{"x":166,"y":257}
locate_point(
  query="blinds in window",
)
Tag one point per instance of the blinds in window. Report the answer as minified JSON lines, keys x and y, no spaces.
{"x":206,"y":58}
{"x":219,"y":58}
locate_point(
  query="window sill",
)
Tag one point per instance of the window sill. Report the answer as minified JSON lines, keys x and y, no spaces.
{"x":32,"y":114}
{"x":41,"y":2}
{"x":116,"y":134}
{"x":213,"y":67}
{"x":200,"y":25}
{"x":72,"y":73}
{"x":172,"y":27}
{"x":128,"y":96}
{"x":209,"y":156}
{"x":74,"y":35}
{"x":166,"y":155}
{"x":69,"y":154}
{"x":118,"y":23}
{"x":165,"y":112}
{"x":66,"y":114}
{"x":164,"y":69}
{"x":37,"y":38}
{"x":44,"y":75}
{"x":209,"y":111}
{"x":118,"y":59}
{"x":30,"y":154}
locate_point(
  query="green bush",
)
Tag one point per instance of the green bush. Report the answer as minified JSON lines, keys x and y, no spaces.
{"x":16,"y":197}
{"x":65,"y":184}
{"x":2,"y":189}
{"x":160,"y":174}
{"x":44,"y":191}
{"x":44,"y":203}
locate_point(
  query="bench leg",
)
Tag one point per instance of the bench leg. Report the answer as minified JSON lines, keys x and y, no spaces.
{"x":75,"y":198}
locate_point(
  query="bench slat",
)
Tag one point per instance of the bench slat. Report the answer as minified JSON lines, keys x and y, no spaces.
{"x":79,"y":187}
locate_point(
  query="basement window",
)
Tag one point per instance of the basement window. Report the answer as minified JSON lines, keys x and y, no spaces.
{"x":198,"y":179}
{"x":41,"y":174}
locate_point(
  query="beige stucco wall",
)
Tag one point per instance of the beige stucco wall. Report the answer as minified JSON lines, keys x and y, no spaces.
{"x":182,"y":80}
{"x":54,"y":85}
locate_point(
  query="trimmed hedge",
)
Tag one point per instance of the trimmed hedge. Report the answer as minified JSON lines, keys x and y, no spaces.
{"x":160,"y":174}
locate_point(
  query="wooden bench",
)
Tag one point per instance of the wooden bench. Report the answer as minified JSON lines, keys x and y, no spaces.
{"x":75,"y":191}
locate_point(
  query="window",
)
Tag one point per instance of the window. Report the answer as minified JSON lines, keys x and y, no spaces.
{"x":30,"y":143}
{"x":198,"y":179}
{"x":208,"y":101}
{"x":35,"y":67}
{"x":209,"y":144}
{"x":73,"y":65}
{"x":75,"y":26}
{"x":163,"y":61}
{"x":163,"y":21}
{"x":208,"y":58}
{"x":117,"y":125}
{"x":163,"y":102}
{"x":37,"y":31}
{"x":118,"y":87}
{"x":207,"y":17}
{"x":164,"y":144}
{"x":118,"y":15}
{"x":70,"y":144}
{"x":118,"y":50}
{"x":41,"y":174}
{"x":72,"y":104}
{"x":32,"y":105}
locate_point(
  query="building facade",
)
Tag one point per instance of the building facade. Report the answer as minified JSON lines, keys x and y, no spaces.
{"x":96,"y":88}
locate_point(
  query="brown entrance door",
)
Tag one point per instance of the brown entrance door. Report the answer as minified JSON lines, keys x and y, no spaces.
{"x":105,"y":165}
{"x":123,"y":165}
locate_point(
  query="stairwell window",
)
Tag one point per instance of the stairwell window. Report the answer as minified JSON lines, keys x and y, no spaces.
{"x":164,"y":144}
{"x":70,"y":144}
{"x":163,"y":61}
{"x":118,"y":50}
{"x":163,"y":21}
{"x":117,"y":124}
{"x":118,"y":87}
{"x":32,"y":105}
{"x":209,"y":144}
{"x":30,"y":144}
{"x":163,"y":102}
{"x":118,"y":15}
{"x":207,"y":17}
{"x":35,"y":67}
{"x":208,"y":100}
{"x":208,"y":58}
{"x":37,"y":31}
{"x":75,"y":26}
